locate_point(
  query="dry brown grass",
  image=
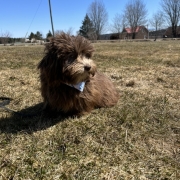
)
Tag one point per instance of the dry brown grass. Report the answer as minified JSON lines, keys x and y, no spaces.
{"x":137,"y":139}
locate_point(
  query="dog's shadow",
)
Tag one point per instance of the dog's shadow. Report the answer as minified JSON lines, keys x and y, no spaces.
{"x":29,"y":120}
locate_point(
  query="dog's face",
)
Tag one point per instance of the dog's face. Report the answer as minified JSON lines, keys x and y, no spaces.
{"x":78,"y":69}
{"x":68,"y":59}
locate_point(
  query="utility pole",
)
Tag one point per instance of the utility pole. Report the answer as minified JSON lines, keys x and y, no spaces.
{"x":147,"y":32}
{"x":51,"y":18}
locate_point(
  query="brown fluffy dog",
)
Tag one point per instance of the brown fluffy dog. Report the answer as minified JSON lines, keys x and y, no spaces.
{"x":67,"y":62}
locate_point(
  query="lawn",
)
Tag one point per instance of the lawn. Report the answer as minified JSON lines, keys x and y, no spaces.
{"x":139,"y":138}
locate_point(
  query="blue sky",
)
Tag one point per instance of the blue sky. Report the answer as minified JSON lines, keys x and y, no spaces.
{"x":21,"y":17}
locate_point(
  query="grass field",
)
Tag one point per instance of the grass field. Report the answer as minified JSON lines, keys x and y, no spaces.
{"x":139,"y":138}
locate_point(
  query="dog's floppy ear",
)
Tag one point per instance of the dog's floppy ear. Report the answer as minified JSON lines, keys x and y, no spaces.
{"x":50,"y":60}
{"x":50,"y":67}
{"x":43,"y":63}
{"x":52,"y":64}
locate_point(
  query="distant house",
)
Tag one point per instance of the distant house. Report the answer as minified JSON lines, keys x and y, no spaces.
{"x":109,"y":36}
{"x":164,"y":33}
{"x":141,"y":32}
{"x":168,"y":32}
{"x":40,"y":41}
{"x":27,"y":41}
{"x":157,"y":34}
{"x":104,"y":37}
{"x":33,"y":40}
{"x":127,"y":33}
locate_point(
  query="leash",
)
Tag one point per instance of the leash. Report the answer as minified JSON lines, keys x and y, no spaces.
{"x":4,"y":101}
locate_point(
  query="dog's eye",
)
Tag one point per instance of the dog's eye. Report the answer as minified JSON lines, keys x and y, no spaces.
{"x":70,"y":60}
{"x":87,"y":56}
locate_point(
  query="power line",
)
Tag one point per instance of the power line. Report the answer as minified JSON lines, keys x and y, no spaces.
{"x":33,"y":18}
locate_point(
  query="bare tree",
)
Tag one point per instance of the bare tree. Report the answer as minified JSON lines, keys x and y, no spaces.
{"x":135,"y":14}
{"x":4,"y":37}
{"x":171,"y":10}
{"x":118,"y":23}
{"x":157,"y":21}
{"x":69,"y":31}
{"x":98,"y":16}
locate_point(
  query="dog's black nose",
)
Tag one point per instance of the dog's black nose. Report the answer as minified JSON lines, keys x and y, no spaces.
{"x":87,"y":67}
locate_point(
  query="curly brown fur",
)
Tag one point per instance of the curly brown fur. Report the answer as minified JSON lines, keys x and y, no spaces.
{"x":68,"y":61}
